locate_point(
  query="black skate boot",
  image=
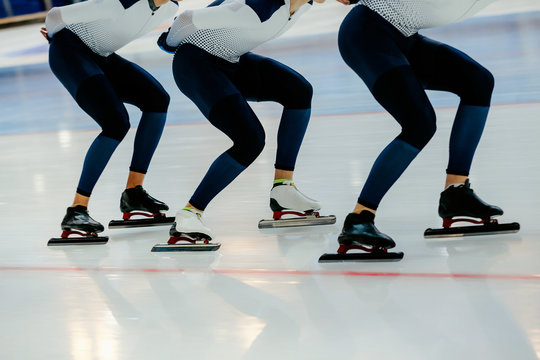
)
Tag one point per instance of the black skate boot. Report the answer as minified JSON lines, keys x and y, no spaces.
{"x":359,"y":233}
{"x":137,"y":201}
{"x":459,"y":203}
{"x":78,"y":221}
{"x":462,"y":201}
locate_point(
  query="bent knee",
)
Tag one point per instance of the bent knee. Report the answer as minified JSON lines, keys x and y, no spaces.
{"x":418,"y":133}
{"x":479,"y":87}
{"x":118,"y":127}
{"x":156,"y":100}
{"x":247,"y":149}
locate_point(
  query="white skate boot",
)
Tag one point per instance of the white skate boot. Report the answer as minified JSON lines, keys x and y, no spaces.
{"x":188,"y":233}
{"x":300,"y":210}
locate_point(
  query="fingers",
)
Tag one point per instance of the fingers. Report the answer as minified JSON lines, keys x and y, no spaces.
{"x":43,"y":32}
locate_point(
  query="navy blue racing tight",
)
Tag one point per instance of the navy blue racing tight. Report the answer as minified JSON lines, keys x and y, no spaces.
{"x":101,"y":85}
{"x":221,"y":89}
{"x":397,"y":70}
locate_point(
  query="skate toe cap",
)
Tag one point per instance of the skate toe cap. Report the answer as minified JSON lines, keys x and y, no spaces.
{"x":389,"y":244}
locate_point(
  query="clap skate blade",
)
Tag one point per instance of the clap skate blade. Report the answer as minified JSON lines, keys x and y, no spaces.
{"x":83,"y":239}
{"x":307,"y":218}
{"x":187,"y":242}
{"x":368,"y":254}
{"x":157,"y":219}
{"x":484,"y":227}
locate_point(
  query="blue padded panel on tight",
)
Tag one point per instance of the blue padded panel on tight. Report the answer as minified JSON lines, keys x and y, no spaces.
{"x":128,"y":3}
{"x":265,"y":8}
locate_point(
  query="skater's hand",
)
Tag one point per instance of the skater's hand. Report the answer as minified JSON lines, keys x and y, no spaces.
{"x":162,"y":43}
{"x":43,"y":32}
{"x":348,"y":2}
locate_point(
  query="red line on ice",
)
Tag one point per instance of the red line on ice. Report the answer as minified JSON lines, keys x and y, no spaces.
{"x":276,"y":272}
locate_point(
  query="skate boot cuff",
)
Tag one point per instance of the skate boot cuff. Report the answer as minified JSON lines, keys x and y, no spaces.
{"x":195,"y":211}
{"x":78,"y":208}
{"x":364,"y":217}
{"x":135,"y":189}
{"x":279,"y":182}
{"x":466,"y":185}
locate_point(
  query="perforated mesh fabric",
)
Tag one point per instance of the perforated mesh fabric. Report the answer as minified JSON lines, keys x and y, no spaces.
{"x":228,"y":44}
{"x":406,"y":15}
{"x":94,"y":36}
{"x":409,"y":16}
{"x":109,"y":26}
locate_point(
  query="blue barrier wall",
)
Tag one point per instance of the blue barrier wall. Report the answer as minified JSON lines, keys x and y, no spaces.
{"x":22,"y":7}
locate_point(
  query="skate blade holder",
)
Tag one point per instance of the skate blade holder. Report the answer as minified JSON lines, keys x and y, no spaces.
{"x":368,"y":255}
{"x":482,"y":227}
{"x":184,"y":242}
{"x":156,"y":219}
{"x":308,"y":218}
{"x":83,"y":239}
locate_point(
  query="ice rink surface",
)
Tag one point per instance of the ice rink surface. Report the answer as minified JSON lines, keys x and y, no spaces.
{"x":263,"y":295}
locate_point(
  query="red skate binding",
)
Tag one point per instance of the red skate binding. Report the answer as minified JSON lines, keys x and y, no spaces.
{"x":187,"y":242}
{"x":88,"y":238}
{"x":300,"y":218}
{"x":368,"y":254}
{"x":155,"y":219}
{"x":279,"y":214}
{"x":481,"y":227}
